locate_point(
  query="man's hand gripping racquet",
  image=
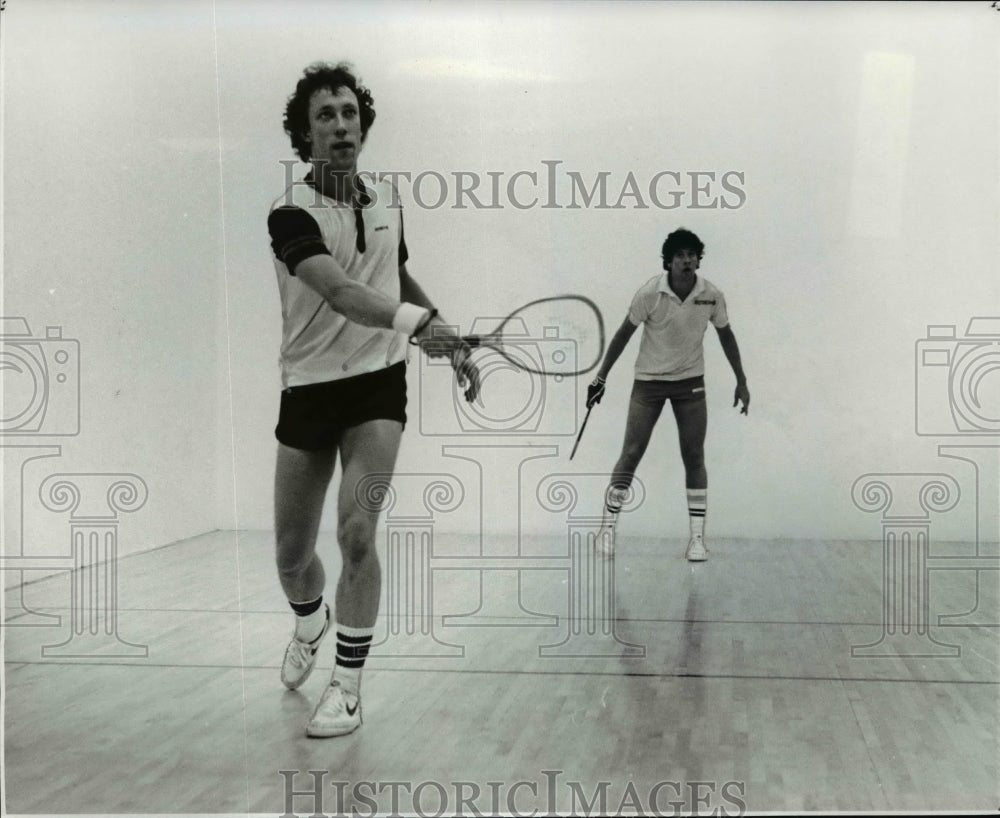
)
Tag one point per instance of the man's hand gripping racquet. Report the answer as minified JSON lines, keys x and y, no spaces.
{"x":560,"y":336}
{"x":443,"y":343}
{"x":595,"y":391}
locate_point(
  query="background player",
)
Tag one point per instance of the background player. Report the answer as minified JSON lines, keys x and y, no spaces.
{"x":674,"y":309}
{"x":348,"y":307}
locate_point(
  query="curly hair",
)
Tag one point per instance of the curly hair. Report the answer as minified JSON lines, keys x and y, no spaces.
{"x":681,"y":239}
{"x":317,"y":76}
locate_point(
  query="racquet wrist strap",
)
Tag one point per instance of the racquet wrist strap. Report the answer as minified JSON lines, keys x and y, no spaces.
{"x":431,"y":315}
{"x":410,"y":318}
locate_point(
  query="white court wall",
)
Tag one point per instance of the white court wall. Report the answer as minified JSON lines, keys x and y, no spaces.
{"x":143,"y":145}
{"x":870,"y":213}
{"x":112,"y":233}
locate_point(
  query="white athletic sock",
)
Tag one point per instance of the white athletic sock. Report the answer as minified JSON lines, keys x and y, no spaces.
{"x":697,"y":506}
{"x":613,"y":499}
{"x":309,"y":626}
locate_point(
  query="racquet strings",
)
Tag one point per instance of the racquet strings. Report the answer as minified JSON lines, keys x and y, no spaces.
{"x":558,"y":335}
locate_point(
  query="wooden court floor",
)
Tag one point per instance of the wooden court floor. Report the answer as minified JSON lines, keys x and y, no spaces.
{"x":654,"y":686}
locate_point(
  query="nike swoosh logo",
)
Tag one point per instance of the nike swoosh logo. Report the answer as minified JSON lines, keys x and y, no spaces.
{"x":350,"y":711}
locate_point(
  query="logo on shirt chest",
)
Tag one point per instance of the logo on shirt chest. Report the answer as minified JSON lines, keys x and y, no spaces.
{"x":708,"y":301}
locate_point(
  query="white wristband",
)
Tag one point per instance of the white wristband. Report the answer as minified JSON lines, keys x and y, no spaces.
{"x":408,"y":318}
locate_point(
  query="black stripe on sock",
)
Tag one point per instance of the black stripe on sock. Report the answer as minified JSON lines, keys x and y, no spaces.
{"x":306,"y":608}
{"x":353,"y":640}
{"x":355,"y":663}
{"x":352,"y":651}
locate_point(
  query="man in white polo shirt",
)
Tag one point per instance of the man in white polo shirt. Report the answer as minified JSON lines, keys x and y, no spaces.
{"x":348,"y":307}
{"x":674,"y":309}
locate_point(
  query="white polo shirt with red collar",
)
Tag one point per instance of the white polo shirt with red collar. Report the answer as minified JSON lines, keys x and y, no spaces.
{"x":673,"y":330}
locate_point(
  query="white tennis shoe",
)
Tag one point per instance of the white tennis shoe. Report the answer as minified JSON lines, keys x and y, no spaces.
{"x":605,"y":542}
{"x":696,"y":551}
{"x":337,"y":714}
{"x":300,"y":657}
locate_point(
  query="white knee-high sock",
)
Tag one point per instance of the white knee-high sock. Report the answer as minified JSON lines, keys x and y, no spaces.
{"x":697,"y":500}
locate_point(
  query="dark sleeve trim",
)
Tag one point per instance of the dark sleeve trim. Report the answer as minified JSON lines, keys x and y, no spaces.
{"x":295,"y":236}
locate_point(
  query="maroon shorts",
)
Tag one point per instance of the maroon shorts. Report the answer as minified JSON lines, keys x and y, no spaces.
{"x":656,"y":393}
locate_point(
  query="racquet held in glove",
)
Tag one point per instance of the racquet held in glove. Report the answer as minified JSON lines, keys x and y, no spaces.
{"x":595,"y":391}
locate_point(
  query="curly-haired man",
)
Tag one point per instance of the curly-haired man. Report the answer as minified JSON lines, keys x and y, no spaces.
{"x":349,"y":306}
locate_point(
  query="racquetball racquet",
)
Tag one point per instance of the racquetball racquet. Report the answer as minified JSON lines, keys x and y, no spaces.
{"x":561,"y":335}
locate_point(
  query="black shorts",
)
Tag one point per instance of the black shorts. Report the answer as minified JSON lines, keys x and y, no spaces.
{"x":656,"y":393}
{"x":314,"y":416}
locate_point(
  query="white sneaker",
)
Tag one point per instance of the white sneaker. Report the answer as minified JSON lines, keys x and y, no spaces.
{"x":337,"y":714}
{"x":605,"y":541}
{"x":300,"y":657}
{"x":696,"y":551}
{"x":604,"y":544}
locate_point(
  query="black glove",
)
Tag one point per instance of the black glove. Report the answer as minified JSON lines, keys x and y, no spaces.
{"x":595,"y":392}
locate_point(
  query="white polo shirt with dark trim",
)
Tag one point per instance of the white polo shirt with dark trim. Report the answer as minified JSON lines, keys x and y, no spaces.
{"x":366,"y":238}
{"x":673,"y":330}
